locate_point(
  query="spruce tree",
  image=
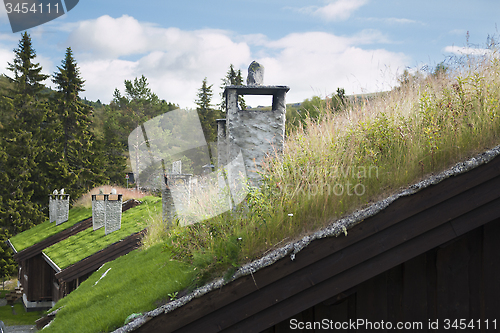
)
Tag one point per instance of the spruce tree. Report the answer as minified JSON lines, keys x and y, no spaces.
{"x":113,"y":147}
{"x":28,"y":119}
{"x":18,"y":211}
{"x":207,"y":114}
{"x":232,"y":78}
{"x":78,"y":163}
{"x":27,"y":77}
{"x":25,"y":125}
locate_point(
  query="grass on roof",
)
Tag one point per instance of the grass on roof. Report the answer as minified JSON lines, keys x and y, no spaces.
{"x":133,"y":283}
{"x":46,"y":229}
{"x":329,"y":168}
{"x":88,"y":241}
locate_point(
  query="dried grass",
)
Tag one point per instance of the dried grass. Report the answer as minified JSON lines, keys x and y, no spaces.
{"x":131,"y":193}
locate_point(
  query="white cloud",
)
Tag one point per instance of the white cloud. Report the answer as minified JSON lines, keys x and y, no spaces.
{"x":174,"y":61}
{"x":393,"y":20}
{"x":338,"y":10}
{"x":5,"y":56}
{"x":111,"y":50}
{"x":467,"y":51}
{"x":319,"y":63}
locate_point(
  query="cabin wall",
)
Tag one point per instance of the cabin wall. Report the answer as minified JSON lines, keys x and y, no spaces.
{"x":458,"y":280}
{"x":37,"y":278}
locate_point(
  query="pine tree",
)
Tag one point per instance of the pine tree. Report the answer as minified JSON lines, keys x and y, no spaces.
{"x":207,"y":114}
{"x":28,"y":112}
{"x":138,"y":105}
{"x":18,"y":212}
{"x":232,"y":78}
{"x":76,"y":164}
{"x":27,"y":77}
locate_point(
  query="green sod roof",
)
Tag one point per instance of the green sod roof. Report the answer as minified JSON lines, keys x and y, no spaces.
{"x":87,"y":242}
{"x":46,"y":229}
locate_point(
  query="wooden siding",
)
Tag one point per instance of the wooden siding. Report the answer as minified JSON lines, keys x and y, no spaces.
{"x":458,"y":280}
{"x":406,"y":229}
{"x":38,"y":283}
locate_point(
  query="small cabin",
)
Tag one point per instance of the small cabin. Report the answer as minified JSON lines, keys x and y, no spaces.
{"x":41,"y":279}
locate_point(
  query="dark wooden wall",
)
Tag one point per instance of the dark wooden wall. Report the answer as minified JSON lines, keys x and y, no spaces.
{"x":458,"y":280}
{"x":38,"y":286}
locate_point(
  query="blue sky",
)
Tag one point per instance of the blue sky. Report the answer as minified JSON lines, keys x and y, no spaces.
{"x":312,"y":46}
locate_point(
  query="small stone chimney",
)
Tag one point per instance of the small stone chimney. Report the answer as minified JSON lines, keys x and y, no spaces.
{"x":174,"y":201}
{"x":107,"y":211}
{"x":58,"y":207}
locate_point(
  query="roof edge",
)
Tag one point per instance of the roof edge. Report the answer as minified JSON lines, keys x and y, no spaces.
{"x":51,"y":263}
{"x":11,"y":246}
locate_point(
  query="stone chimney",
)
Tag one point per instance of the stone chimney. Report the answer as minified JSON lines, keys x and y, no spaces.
{"x":107,"y":211}
{"x":254,"y":133}
{"x":58,"y":207}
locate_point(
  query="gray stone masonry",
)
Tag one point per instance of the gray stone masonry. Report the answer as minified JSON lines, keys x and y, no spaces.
{"x":58,"y":208}
{"x":168,"y":205}
{"x":107,"y":212}
{"x":98,"y":211}
{"x":221,"y":143}
{"x":254,"y":133}
{"x":113,"y":209}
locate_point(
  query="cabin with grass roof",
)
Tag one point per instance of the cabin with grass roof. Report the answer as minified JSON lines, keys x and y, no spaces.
{"x":426,"y":257}
{"x":38,"y":274}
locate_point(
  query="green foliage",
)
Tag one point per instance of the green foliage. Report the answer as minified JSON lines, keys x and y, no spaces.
{"x":121,"y":117}
{"x":207,"y":114}
{"x":17,"y":315}
{"x":8,"y":266}
{"x":138,"y":105}
{"x":315,"y":109}
{"x":440,"y":69}
{"x":232,"y":78}
{"x":70,"y":142}
{"x":27,"y":76}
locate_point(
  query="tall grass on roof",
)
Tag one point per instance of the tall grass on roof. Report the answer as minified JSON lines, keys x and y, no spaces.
{"x":344,"y":160}
{"x":329,"y":168}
